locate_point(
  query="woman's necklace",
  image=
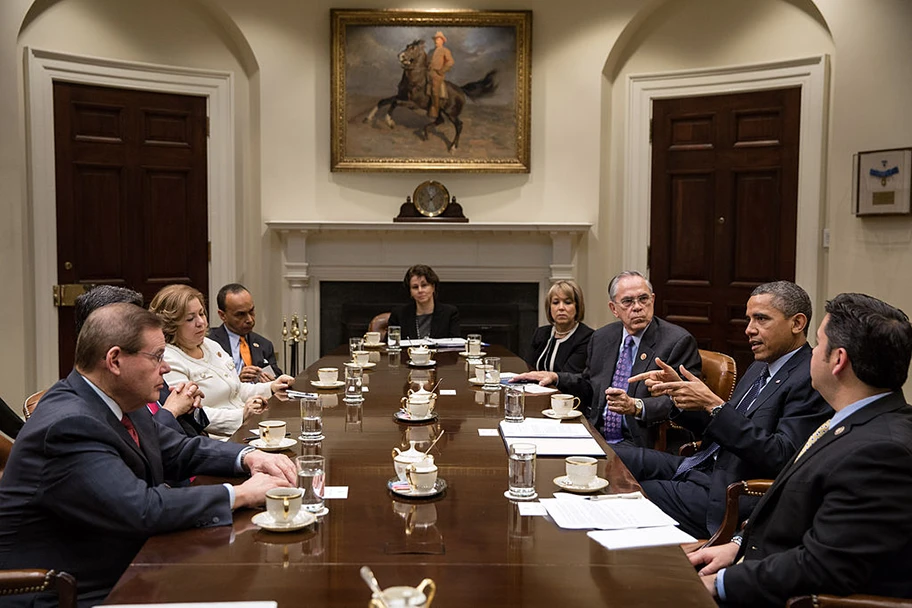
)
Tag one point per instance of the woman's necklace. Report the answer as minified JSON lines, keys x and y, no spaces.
{"x":563,"y":334}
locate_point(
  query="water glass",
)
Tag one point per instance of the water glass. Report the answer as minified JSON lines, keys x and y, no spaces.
{"x":311,"y":418}
{"x":492,"y":371}
{"x":514,"y":403}
{"x":393,"y":338}
{"x":354,"y":416}
{"x":355,"y":344}
{"x":522,"y":470}
{"x":353,"y":383}
{"x":311,"y":479}
{"x":473,"y":345}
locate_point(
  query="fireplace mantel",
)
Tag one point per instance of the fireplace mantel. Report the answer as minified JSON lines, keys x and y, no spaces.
{"x":315,"y":251}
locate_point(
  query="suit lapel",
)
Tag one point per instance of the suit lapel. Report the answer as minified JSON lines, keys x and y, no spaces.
{"x":776,"y":382}
{"x":645,"y":354}
{"x":148,"y":442}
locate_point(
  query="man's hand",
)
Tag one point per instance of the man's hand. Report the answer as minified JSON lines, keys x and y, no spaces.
{"x":543,"y":378}
{"x":252,"y":493}
{"x":620,"y":402}
{"x":183,"y":398}
{"x":276,"y":465}
{"x":709,"y":581}
{"x":251,"y":373}
{"x":690,"y":394}
{"x":714,"y":558}
{"x":665,"y":373}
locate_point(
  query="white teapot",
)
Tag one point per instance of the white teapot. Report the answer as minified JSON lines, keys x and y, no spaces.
{"x":406,"y":597}
{"x":401,"y":460}
{"x":419,"y":404}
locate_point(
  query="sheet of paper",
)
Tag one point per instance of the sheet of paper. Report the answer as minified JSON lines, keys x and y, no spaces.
{"x":269,"y":371}
{"x":488,"y":433}
{"x":549,"y":446}
{"x":543,"y":427}
{"x":335,"y":492}
{"x":448,"y":391}
{"x":531,"y":508}
{"x":640,"y":537}
{"x":448,"y":342}
{"x":535,"y":389}
{"x":579,"y":513}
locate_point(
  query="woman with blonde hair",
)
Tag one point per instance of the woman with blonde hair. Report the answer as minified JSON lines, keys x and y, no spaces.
{"x":561,"y":346}
{"x":195,"y":358}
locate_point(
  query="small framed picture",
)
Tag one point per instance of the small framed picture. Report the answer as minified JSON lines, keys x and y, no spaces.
{"x":882,"y":182}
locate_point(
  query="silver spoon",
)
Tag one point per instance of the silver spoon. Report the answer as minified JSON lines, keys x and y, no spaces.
{"x":368,"y":575}
{"x":433,"y":443}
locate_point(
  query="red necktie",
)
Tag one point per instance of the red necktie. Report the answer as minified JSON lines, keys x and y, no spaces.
{"x":130,"y":429}
{"x":153,"y":407}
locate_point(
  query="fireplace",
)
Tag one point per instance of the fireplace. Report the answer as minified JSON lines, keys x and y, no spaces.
{"x":503,"y":313}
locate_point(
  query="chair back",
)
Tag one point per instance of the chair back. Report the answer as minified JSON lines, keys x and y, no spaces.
{"x":719,"y":373}
{"x":380,"y":323}
{"x":16,"y":582}
{"x":31,"y":403}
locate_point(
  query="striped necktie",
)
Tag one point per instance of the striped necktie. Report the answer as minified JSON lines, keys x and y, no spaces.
{"x":613,"y":429}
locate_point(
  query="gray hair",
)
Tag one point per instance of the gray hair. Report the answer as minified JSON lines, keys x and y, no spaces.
{"x":99,"y":296}
{"x":613,"y":283}
{"x":788,"y":298}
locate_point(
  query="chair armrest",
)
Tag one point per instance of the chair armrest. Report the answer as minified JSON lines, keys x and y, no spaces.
{"x":730,"y":524}
{"x":848,"y":601}
{"x":14,"y":582}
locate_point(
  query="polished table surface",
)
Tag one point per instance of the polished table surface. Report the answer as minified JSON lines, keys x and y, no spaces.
{"x":471,"y":540}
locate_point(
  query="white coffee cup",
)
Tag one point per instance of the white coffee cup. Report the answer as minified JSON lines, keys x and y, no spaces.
{"x":422,"y":476}
{"x":361,"y":357}
{"x":272,"y":432}
{"x":581,"y":470}
{"x":563,"y":404}
{"x":372,"y":338}
{"x":283,"y":504}
{"x":328,"y":375}
{"x":420,"y":355}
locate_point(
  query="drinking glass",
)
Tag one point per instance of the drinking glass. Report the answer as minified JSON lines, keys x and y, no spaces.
{"x":353,"y":417}
{"x":353,"y":382}
{"x":514,"y":403}
{"x":311,"y":479}
{"x":473,"y":345}
{"x":393,"y":338}
{"x":492,"y":373}
{"x":522,"y":470}
{"x":311,"y":418}
{"x":355,"y":344}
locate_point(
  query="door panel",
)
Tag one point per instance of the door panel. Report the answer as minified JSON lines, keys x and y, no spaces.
{"x":132,"y":205}
{"x":723,"y":210}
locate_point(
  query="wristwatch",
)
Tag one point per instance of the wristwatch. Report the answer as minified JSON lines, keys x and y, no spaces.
{"x":638,"y":404}
{"x":715,"y":410}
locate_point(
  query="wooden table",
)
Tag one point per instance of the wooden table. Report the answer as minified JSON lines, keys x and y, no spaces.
{"x":471,"y":540}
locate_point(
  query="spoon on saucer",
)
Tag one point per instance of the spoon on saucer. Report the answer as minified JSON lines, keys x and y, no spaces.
{"x":368,"y":575}
{"x":433,"y":443}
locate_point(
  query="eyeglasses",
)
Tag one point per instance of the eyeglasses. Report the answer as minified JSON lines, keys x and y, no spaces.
{"x":157,"y":357}
{"x":643,"y":299}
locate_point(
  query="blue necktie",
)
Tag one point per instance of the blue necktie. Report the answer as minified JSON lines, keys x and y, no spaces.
{"x":744,"y":406}
{"x":613,"y":429}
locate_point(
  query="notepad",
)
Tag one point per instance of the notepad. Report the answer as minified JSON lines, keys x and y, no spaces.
{"x":579,"y":513}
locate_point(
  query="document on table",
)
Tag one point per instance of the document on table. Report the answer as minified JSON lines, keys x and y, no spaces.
{"x":551,"y":438}
{"x":641,"y":537}
{"x":551,"y":446}
{"x":580,"y":513}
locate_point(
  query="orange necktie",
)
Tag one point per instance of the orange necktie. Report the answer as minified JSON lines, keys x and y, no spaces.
{"x":130,"y":429}
{"x":245,"y":351}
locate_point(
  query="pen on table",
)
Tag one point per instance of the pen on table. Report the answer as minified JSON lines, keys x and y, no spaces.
{"x":631,"y":495}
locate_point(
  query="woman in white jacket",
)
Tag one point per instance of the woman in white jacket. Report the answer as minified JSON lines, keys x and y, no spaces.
{"x":195,"y":358}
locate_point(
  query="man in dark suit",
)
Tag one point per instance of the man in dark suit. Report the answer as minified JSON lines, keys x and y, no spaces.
{"x":836,"y":520}
{"x":771,"y":413}
{"x":622,"y":411}
{"x":253,"y":355}
{"x":83,"y":488}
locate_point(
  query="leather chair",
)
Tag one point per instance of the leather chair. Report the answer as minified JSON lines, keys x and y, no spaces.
{"x":380,"y":323}
{"x":719,"y":373}
{"x":31,"y":403}
{"x":15,"y":582}
{"x":848,"y":601}
{"x":10,"y":422}
{"x":730,"y":523}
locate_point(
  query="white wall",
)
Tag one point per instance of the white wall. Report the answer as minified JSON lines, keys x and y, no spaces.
{"x":279,"y":52}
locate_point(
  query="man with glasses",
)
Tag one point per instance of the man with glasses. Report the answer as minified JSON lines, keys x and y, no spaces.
{"x":84,"y":485}
{"x":626,"y":412}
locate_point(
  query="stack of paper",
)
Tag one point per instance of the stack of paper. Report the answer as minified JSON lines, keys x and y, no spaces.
{"x":551,"y":438}
{"x":605,"y":512}
{"x":436,"y":342}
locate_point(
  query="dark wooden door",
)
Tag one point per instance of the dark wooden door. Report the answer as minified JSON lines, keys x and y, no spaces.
{"x":724,"y":208}
{"x":131,"y":193}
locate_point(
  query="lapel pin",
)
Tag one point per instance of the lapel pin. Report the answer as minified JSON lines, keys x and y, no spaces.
{"x":255,"y":345}
{"x":642,"y":356}
{"x":218,"y":354}
{"x":839,"y":430}
{"x":778,"y":381}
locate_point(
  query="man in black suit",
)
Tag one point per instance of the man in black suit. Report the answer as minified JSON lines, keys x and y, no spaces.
{"x":622,"y":411}
{"x":84,"y":485}
{"x":836,"y":520}
{"x":771,"y":413}
{"x":251,"y":352}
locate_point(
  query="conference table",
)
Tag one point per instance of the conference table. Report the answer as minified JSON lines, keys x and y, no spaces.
{"x":471,"y":540}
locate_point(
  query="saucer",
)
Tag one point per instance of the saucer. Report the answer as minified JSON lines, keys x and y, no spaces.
{"x":477,"y":382}
{"x":532,"y":496}
{"x":367,"y":365}
{"x":321,"y":384}
{"x":286,"y":443}
{"x":403,"y":416}
{"x":301,"y":520}
{"x":373,"y":344}
{"x":568,"y":416}
{"x":430,"y":363}
{"x":565,"y":484}
{"x":475,"y":356}
{"x":395,"y":486}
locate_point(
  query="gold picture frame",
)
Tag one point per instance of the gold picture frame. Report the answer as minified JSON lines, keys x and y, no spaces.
{"x":384,"y":74}
{"x":882,"y":182}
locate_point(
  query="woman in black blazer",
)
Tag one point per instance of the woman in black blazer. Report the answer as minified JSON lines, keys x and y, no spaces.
{"x":424,"y":316}
{"x":562,"y":345}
